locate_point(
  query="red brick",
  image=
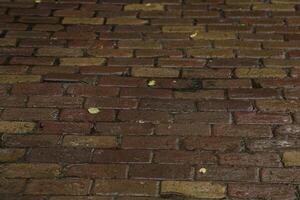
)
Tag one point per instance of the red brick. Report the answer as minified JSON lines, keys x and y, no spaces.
{"x":272,"y":144}
{"x":28,"y":34}
{"x":96,"y":171}
{"x":13,"y":69}
{"x":104,"y":70}
{"x":70,"y":78}
{"x":206,"y":73}
{"x":47,"y":27}
{"x":204,"y":117}
{"x":246,"y":159}
{"x":167,"y":105}
{"x":49,"y":127}
{"x":212,"y":143}
{"x":37,"y":89}
{"x":145,"y":93}
{"x":11,"y":154}
{"x":39,"y":20}
{"x":125,"y":187}
{"x":63,"y":52}
{"x":54,"y":102}
{"x":229,"y":83}
{"x":32,"y":61}
{"x":292,"y":130}
{"x":41,"y":43}
{"x":124,"y":128}
{"x":122,"y":81}
{"x":143,"y":116}
{"x":29,"y":114}
{"x":279,"y":83}
{"x":59,"y":154}
{"x":183,"y":129}
{"x":225,"y":105}
{"x":135,"y":62}
{"x":61,"y":186}
{"x":160,"y":171}
{"x":242,"y":130}
{"x":200,"y":94}
{"x":69,"y":35}
{"x":276,"y":192}
{"x":16,"y":51}
{"x":73,"y":13}
{"x":13,"y":101}
{"x":30,"y":140}
{"x":121,"y":156}
{"x":263,"y":93}
{"x":184,"y":157}
{"x":83,"y":115}
{"x":179,"y":62}
{"x":221,"y":173}
{"x":110,"y":53}
{"x":149,"y":142}
{"x":174,"y":83}
{"x":262,"y":118}
{"x":11,"y":186}
{"x":280,"y":175}
{"x":111,"y":103}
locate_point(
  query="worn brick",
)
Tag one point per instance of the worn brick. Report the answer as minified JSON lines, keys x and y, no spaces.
{"x":59,"y":154}
{"x":6,"y":42}
{"x":59,"y":52}
{"x":221,"y":173}
{"x":90,"y":141}
{"x":260,"y":73}
{"x":167,"y":105}
{"x":211,"y":53}
{"x":229,"y":83}
{"x":54,"y":102}
{"x":155,"y":72}
{"x":145,"y":7}
{"x":59,"y":186}
{"x":291,"y":158}
{"x":262,"y":118}
{"x":252,"y":191}
{"x":11,"y":186}
{"x":111,"y":103}
{"x":203,"y":117}
{"x":30,"y":140}
{"x":37,"y":89}
{"x":121,"y":156}
{"x":96,"y":170}
{"x":126,"y":21}
{"x":182,"y":29}
{"x":24,"y":170}
{"x":11,"y":154}
{"x":184,"y":157}
{"x":201,"y":94}
{"x":149,"y":142}
{"x":278,"y":105}
{"x":125,"y":187}
{"x":137,"y":44}
{"x":82,"y":61}
{"x":246,"y":159}
{"x":183,"y":129}
{"x":280,"y":175}
{"x":160,"y":171}
{"x":16,"y":127}
{"x":211,"y":143}
{"x":82,"y":20}
{"x":224,"y":105}
{"x":214,"y":36}
{"x":9,"y":79}
{"x":51,"y":127}
{"x":242,"y":130}
{"x":199,"y":189}
{"x":260,"y":93}
{"x":85,"y":116}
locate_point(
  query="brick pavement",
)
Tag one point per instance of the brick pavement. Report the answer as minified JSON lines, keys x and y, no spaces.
{"x":149,"y":99}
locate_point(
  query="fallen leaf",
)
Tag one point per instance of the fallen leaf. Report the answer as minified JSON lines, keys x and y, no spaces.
{"x":148,"y":4}
{"x":151,"y":83}
{"x":38,"y":1}
{"x":194,"y":35}
{"x":202,"y":170}
{"x":94,"y":110}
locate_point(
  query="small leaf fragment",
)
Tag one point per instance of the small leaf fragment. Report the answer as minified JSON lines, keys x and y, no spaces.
{"x":148,"y":4}
{"x":151,"y":83}
{"x":38,"y":1}
{"x":194,"y":35}
{"x":202,"y":170}
{"x":94,"y":110}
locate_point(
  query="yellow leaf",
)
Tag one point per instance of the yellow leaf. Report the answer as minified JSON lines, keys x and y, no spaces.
{"x":194,"y":35}
{"x":94,"y":110}
{"x":38,"y":1}
{"x":148,"y":4}
{"x":202,"y":170}
{"x":151,"y":83}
